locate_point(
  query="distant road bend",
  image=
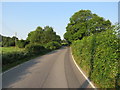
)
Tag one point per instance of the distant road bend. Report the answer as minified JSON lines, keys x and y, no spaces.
{"x":53,"y":70}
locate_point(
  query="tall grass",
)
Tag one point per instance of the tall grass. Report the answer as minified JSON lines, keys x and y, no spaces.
{"x":11,"y":49}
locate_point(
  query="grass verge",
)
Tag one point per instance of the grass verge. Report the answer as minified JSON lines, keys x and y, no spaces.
{"x":11,"y":65}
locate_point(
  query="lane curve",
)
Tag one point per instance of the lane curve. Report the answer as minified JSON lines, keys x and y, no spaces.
{"x":53,"y":70}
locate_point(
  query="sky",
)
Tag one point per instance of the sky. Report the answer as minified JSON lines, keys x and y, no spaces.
{"x":24,"y":17}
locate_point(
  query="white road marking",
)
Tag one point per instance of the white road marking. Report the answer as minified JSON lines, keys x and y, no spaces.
{"x":82,"y":71}
{"x":74,"y":62}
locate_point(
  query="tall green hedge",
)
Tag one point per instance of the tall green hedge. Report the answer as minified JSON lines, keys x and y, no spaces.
{"x":98,"y":55}
{"x":53,"y":45}
{"x":35,"y":48}
{"x":8,"y":58}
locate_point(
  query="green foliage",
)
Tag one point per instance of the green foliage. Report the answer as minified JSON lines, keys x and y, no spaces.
{"x":22,"y":43}
{"x":12,"y":54}
{"x":34,"y":45}
{"x":43,"y":36}
{"x":34,"y":48}
{"x":98,"y":55}
{"x":11,"y":49}
{"x":84,"y":23}
{"x":36,"y":36}
{"x":64,"y":43}
{"x":8,"y":58}
{"x":95,"y":47}
{"x":8,"y":41}
{"x":50,"y":35}
{"x":52,"y":45}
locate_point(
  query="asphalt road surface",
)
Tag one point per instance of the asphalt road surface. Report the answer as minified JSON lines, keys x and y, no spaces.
{"x":53,"y":70}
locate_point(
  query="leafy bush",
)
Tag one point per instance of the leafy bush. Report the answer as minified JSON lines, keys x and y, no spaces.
{"x":98,"y":55}
{"x":18,"y":56}
{"x":8,"y":58}
{"x":53,"y":45}
{"x":22,"y":43}
{"x":34,"y":48}
{"x":8,"y":41}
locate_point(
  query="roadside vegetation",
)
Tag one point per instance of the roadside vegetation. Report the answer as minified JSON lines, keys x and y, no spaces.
{"x":93,"y":39}
{"x":38,"y":42}
{"x":95,"y":47}
{"x":11,"y":49}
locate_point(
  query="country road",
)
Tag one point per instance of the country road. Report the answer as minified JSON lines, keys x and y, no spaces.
{"x":53,"y":70}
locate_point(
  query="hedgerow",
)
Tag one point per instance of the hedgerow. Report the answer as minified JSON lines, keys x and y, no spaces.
{"x":34,"y":48}
{"x":53,"y":45}
{"x":8,"y":58}
{"x":98,"y":55}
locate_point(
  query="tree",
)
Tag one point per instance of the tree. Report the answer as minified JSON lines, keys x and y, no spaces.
{"x":22,"y":43}
{"x":50,"y":35}
{"x":8,"y":41}
{"x":84,"y":23}
{"x":43,"y":36}
{"x":36,"y":36}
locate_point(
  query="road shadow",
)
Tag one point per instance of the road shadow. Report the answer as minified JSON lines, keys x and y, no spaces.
{"x":85,"y":84}
{"x":17,"y":74}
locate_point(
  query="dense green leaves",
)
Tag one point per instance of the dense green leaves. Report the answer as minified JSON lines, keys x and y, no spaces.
{"x":38,"y":42}
{"x":84,"y":23}
{"x":98,"y":55}
{"x":43,"y":36}
{"x":34,"y":48}
{"x":53,"y":45}
{"x":8,"y":58}
{"x":36,"y":36}
{"x":7,"y":41}
{"x":22,"y":43}
{"x":95,"y":46}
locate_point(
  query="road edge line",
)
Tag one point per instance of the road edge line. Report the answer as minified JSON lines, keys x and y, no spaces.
{"x":82,"y":71}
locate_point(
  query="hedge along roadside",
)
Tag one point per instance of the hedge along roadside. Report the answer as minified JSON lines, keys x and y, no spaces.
{"x":98,"y":56}
{"x":32,"y":50}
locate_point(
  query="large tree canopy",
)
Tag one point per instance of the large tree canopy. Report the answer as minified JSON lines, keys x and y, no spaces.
{"x":43,"y":36}
{"x":83,"y":23}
